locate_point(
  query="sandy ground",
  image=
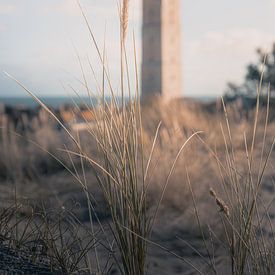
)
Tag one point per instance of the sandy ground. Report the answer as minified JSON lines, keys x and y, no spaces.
{"x":175,"y":229}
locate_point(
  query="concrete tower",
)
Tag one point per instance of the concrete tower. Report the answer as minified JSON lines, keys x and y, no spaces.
{"x":161,"y":56}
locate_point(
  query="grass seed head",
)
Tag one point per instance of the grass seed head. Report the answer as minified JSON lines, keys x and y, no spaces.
{"x":124,"y":18}
{"x":220,"y":203}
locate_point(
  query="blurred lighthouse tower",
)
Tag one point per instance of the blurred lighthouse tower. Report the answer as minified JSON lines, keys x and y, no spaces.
{"x":161,"y":45}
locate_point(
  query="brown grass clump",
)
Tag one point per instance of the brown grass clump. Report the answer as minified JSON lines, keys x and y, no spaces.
{"x":52,"y":241}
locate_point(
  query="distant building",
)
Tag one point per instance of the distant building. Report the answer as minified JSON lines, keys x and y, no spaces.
{"x":161,"y":58}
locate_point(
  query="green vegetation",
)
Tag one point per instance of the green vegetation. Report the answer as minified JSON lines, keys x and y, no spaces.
{"x":265,"y":69}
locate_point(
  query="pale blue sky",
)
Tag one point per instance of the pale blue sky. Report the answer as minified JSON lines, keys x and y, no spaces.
{"x":37,"y":40}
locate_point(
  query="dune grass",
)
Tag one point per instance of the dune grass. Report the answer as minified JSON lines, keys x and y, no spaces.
{"x":246,"y":235}
{"x":122,"y":169}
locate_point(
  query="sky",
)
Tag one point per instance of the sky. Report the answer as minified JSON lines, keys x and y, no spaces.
{"x":40,"y":42}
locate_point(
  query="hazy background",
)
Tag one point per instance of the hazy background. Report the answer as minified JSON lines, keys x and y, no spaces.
{"x":37,"y":40}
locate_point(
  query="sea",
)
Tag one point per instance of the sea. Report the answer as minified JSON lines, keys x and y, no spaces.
{"x":55,"y":102}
